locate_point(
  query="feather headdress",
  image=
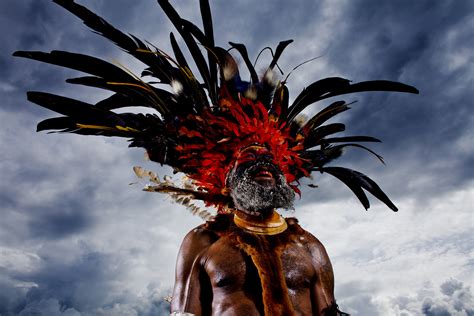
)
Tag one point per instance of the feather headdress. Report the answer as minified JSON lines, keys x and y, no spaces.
{"x":201,"y":126}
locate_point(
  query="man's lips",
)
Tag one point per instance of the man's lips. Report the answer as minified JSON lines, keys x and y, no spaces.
{"x":264,"y":176}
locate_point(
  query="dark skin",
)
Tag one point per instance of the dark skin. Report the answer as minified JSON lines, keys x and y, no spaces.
{"x":211,"y":276}
{"x":214,"y":276}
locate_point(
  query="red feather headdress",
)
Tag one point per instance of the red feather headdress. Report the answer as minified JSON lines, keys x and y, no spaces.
{"x":202,"y":127}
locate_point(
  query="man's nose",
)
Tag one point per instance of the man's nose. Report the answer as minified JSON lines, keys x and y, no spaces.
{"x":265,"y":158}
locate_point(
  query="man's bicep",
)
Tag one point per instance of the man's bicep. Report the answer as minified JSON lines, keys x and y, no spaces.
{"x":323,"y":283}
{"x":186,"y":293}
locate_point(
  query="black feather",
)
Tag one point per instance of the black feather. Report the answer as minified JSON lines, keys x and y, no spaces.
{"x":334,"y":86}
{"x":84,"y":63}
{"x":86,"y":114}
{"x":362,"y":147}
{"x":280,"y":102}
{"x":209,"y":32}
{"x":56,"y":123}
{"x":356,"y":180}
{"x":243,"y":52}
{"x":350,"y":139}
{"x":320,"y":158}
{"x":314,"y":91}
{"x":314,"y":137}
{"x":73,"y":108}
{"x":141,"y":94}
{"x":178,"y":54}
{"x":193,"y":49}
{"x":325,"y":114}
{"x":159,"y":65}
{"x":115,"y":101}
{"x":109,"y":75}
{"x":279,"y":50}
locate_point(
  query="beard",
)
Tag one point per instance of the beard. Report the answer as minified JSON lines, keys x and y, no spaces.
{"x":255,"y":198}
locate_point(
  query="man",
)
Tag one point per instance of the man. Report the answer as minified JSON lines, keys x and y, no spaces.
{"x":243,"y":149}
{"x":254,"y":262}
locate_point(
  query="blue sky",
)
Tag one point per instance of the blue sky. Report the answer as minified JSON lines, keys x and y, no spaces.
{"x":77,"y":239}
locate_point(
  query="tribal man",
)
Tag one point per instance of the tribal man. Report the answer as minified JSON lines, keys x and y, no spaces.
{"x":243,"y":149}
{"x":254,"y":262}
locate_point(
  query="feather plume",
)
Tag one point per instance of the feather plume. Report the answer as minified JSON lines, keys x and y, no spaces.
{"x":200,"y":127}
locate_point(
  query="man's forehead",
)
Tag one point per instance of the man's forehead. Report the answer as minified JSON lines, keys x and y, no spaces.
{"x":254,"y":148}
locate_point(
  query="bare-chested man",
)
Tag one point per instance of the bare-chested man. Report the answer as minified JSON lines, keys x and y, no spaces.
{"x":254,"y":262}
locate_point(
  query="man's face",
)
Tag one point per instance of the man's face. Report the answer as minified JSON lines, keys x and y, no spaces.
{"x":256,"y":184}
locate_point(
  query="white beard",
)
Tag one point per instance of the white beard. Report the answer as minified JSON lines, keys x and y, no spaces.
{"x":252,"y":197}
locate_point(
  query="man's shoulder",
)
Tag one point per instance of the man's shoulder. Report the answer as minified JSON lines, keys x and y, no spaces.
{"x":199,"y":235}
{"x":209,"y":231}
{"x":303,"y":236}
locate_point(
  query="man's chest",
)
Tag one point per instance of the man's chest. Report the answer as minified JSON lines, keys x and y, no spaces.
{"x":230,"y":267}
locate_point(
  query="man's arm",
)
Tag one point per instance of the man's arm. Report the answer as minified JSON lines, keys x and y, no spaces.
{"x":322,"y":291}
{"x":190,"y":279}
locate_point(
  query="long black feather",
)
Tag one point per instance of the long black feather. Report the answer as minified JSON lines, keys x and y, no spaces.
{"x":325,"y":114}
{"x":362,"y":147}
{"x":350,"y":139}
{"x":178,"y":54}
{"x":279,"y":50}
{"x":116,"y":101}
{"x":209,"y":32}
{"x":73,"y":108}
{"x":193,"y":49}
{"x":354,"y":187}
{"x":84,"y":63}
{"x":56,"y":123}
{"x":146,"y":96}
{"x":81,"y":113}
{"x":356,"y":180}
{"x":313,"y":91}
{"x":243,"y":52}
{"x":334,"y":86}
{"x":315,"y":136}
{"x":107,"y":73}
{"x":102,"y":69}
{"x":159,"y":65}
{"x":319,"y":158}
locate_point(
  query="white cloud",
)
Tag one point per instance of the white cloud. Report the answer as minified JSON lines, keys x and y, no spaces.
{"x":394,"y":253}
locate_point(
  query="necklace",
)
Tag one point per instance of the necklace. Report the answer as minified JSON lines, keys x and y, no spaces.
{"x":271,"y":226}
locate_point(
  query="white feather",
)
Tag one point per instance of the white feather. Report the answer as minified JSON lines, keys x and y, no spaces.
{"x":270,"y":77}
{"x":176,"y":86}
{"x":301,"y":119}
{"x":229,"y":71}
{"x":251,"y":93}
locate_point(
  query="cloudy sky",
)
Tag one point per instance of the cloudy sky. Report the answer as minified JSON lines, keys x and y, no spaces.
{"x":77,"y":239}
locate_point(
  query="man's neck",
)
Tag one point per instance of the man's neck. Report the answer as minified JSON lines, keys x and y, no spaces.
{"x":266,"y":223}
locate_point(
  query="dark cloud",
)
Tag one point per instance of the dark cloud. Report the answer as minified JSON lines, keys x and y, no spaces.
{"x":59,"y":221}
{"x":268,"y":25}
{"x":449,"y":287}
{"x":84,"y":286}
{"x":415,"y":43}
{"x":356,"y":299}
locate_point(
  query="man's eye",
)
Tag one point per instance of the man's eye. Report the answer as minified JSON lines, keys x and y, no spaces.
{"x":268,"y":156}
{"x":250,"y":156}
